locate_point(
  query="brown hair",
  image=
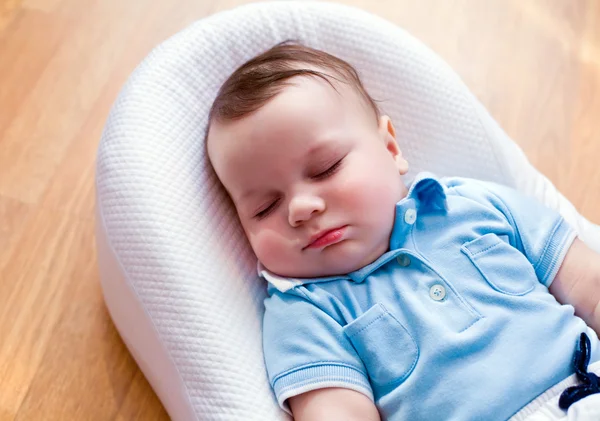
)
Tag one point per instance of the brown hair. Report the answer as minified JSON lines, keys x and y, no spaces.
{"x":260,"y":79}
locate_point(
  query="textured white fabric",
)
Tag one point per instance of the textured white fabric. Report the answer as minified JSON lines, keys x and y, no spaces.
{"x":178,"y":275}
{"x":545,"y":407}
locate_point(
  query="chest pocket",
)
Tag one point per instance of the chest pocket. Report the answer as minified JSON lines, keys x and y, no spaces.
{"x":387,"y":349}
{"x":505,"y":268}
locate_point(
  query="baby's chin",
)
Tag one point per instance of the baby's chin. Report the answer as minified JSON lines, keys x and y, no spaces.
{"x":342,"y":258}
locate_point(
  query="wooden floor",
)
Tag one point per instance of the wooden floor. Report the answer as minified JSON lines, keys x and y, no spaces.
{"x":534,"y":64}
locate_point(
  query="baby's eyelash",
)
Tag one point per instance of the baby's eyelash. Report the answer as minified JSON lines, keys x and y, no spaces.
{"x":329,"y":171}
{"x":265,"y":212}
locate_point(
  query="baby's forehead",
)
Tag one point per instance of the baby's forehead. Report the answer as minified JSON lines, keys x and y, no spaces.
{"x":309,"y":109}
{"x":303,"y":96}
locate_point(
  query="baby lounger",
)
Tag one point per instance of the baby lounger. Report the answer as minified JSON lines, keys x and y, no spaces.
{"x":179,"y":278}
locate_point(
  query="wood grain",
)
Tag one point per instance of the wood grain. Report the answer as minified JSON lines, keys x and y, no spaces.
{"x":535,"y":65}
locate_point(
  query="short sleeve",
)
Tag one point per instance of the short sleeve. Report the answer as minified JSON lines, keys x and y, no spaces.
{"x":305,"y":349}
{"x":541,"y":233}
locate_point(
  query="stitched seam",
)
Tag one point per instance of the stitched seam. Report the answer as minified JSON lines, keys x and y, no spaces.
{"x":367,"y":325}
{"x":567,"y":241}
{"x":318,"y":380}
{"x":493,"y":285}
{"x":543,"y":254}
{"x":415,"y":359}
{"x":314,"y":365}
{"x":481,"y":251}
{"x":474,"y":321}
{"x":404,"y":330}
{"x":512,"y":222}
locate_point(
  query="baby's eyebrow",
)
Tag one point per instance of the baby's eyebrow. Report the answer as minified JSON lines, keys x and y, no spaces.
{"x":318,"y":149}
{"x":247,"y":194}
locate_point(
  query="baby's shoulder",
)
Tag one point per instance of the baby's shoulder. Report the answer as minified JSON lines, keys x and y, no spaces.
{"x":477,"y":189}
{"x":455,"y":182}
{"x":492,"y":195}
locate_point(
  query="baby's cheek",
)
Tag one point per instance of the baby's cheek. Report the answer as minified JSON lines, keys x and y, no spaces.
{"x":270,"y":246}
{"x":262,"y":242}
{"x":364,"y":190}
{"x":374,"y":196}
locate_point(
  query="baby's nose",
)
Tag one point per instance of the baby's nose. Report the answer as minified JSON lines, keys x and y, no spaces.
{"x":303,"y":207}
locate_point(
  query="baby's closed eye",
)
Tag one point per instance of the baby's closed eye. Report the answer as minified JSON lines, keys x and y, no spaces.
{"x":271,"y":206}
{"x":329,"y":171}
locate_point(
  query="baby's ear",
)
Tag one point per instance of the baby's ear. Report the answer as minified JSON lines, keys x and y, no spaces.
{"x":401,"y":163}
{"x":385,"y":127}
{"x":387,"y":132}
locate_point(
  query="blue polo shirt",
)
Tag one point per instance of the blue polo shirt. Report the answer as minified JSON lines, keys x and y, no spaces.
{"x":453,"y":322}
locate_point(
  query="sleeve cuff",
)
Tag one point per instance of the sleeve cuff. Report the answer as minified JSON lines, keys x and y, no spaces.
{"x":313,"y":377}
{"x":558,"y":245}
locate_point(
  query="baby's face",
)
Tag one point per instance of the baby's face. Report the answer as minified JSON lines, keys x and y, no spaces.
{"x":312,"y":160}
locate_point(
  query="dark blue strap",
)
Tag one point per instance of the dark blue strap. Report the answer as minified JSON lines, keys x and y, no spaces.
{"x":590,"y":382}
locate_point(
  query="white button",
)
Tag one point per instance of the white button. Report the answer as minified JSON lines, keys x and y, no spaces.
{"x":410,"y":216}
{"x":403,"y":260}
{"x":437,"y":292}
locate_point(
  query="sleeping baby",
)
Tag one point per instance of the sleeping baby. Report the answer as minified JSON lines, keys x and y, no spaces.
{"x":448,"y":299}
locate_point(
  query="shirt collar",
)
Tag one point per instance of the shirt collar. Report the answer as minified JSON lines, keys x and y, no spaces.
{"x":284,"y":284}
{"x":426,"y":193}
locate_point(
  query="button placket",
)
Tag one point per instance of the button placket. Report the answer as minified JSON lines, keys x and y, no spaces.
{"x":436,"y":291}
{"x":405,"y":218}
{"x":410,"y":216}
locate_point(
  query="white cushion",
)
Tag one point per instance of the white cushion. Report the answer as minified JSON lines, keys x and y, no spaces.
{"x":178,"y":275}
